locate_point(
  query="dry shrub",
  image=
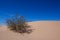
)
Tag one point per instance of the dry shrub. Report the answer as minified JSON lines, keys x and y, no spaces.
{"x":18,"y":24}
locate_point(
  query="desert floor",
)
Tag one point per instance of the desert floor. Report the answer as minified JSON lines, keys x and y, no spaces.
{"x":43,"y":30}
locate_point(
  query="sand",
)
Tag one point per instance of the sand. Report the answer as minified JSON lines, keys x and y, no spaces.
{"x":43,"y":30}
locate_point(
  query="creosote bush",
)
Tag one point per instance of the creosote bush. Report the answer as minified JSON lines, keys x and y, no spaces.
{"x":18,"y":24}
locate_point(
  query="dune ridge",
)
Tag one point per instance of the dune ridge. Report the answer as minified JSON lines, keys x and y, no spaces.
{"x":43,"y":30}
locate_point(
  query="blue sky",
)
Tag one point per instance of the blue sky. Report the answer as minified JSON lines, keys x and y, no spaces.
{"x":32,"y":10}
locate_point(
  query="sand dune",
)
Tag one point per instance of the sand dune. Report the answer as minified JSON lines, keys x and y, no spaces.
{"x":43,"y":30}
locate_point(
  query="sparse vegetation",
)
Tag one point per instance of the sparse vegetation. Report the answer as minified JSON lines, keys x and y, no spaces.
{"x":18,"y":24}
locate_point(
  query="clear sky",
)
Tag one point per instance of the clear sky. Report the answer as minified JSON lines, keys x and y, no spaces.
{"x":32,"y":10}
